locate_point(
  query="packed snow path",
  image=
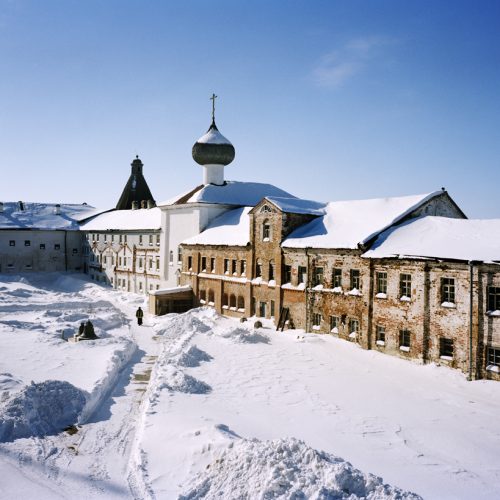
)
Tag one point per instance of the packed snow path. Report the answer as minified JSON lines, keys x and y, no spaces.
{"x":91,"y":460}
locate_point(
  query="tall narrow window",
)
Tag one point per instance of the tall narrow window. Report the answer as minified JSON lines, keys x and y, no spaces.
{"x":337,"y":278}
{"x":382,"y":283}
{"x":258,"y":269}
{"x":226,"y":266}
{"x":404,"y":340}
{"x":272,"y":308}
{"x":204,"y":264}
{"x":140,"y":239}
{"x":318,"y":276}
{"x":355,"y":279}
{"x":448,"y":290}
{"x":190,"y":262}
{"x":234,"y":266}
{"x":271,"y":271}
{"x":302,"y":274}
{"x":266,"y":231}
{"x":405,"y":285}
{"x":316,"y":320}
{"x":287,"y":274}
{"x":171,"y":257}
{"x":150,"y":240}
{"x":334,"y":324}
{"x":494,"y":298}
{"x":243,"y":267}
{"x":380,"y":335}
{"x":212,"y":264}
{"x":353,"y":327}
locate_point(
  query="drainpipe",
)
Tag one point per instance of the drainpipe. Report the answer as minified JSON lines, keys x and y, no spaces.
{"x":307,"y":292}
{"x":471,"y":312}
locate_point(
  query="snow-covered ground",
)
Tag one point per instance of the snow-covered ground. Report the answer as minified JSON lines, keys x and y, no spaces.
{"x":198,"y":406}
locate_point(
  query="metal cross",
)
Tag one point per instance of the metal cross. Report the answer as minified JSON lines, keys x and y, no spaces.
{"x":213,"y":106}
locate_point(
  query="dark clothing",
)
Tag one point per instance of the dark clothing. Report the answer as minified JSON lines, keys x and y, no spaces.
{"x":81,"y":329}
{"x":88,"y":331}
{"x":139,"y":315}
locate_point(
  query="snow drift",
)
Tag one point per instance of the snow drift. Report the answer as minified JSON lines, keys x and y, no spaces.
{"x":286,"y":468}
{"x":41,"y":409}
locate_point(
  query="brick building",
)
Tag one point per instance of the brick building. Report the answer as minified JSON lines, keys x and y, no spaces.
{"x":327,"y":268}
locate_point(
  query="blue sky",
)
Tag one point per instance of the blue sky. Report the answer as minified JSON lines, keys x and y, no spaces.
{"x":326,"y":99}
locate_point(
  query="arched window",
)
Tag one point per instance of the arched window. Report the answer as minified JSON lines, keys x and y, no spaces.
{"x":271,"y":270}
{"x":211,"y":296}
{"x":258,"y":268}
{"x":266,"y":230}
{"x":225,"y":300}
{"x":203,"y":296}
{"x":241,"y":302}
{"x":265,"y":209}
{"x":232,"y":300}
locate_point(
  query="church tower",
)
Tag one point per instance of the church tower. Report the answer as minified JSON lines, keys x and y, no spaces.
{"x":213,"y":152}
{"x":136,"y":193}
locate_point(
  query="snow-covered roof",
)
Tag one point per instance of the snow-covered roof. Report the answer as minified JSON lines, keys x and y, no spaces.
{"x":231,"y":228}
{"x":442,"y":238}
{"x":297,"y":205}
{"x":231,"y":193}
{"x":132,"y":220}
{"x":348,"y":223}
{"x":43,"y":216}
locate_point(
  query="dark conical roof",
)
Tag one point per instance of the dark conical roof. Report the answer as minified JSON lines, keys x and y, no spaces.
{"x":136,"y":189}
{"x":213,"y":148}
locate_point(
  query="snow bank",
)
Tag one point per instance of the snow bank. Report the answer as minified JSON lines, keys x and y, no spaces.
{"x":41,"y":409}
{"x":191,"y":358}
{"x":286,"y":468}
{"x":176,"y":380}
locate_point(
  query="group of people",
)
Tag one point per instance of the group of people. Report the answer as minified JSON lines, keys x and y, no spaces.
{"x":86,"y":331}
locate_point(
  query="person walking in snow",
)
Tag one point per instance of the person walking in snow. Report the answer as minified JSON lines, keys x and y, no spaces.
{"x":139,"y":315}
{"x":81,"y":329}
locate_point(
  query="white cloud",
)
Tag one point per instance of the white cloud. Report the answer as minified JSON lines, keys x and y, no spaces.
{"x":337,"y":67}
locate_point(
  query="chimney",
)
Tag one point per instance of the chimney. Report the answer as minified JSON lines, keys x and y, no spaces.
{"x":135,"y":205}
{"x":151,"y":204}
{"x":20,"y":205}
{"x":57,"y":209}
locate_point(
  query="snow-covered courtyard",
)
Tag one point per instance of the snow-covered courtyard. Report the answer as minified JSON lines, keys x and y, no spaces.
{"x":199,"y":406}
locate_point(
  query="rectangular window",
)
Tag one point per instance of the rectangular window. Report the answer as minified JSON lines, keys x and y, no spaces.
{"x":121,"y":238}
{"x":125,"y":238}
{"x":287,"y":274}
{"x":190,"y":262}
{"x":157,"y":263}
{"x":104,"y":259}
{"x":42,"y":246}
{"x":112,"y":238}
{"x":271,"y":271}
{"x":140,"y":262}
{"x":448,"y":290}
{"x":382,"y":283}
{"x":140,"y":286}
{"x":355,"y":279}
{"x":226,"y":266}
{"x":494,"y":298}
{"x":262,"y":309}
{"x":151,"y":242}
{"x":158,"y":242}
{"x":57,"y":246}
{"x":97,"y":236}
{"x":404,"y":340}
{"x":140,"y":239}
{"x":318,"y":276}
{"x":234,"y":266}
{"x":493,"y":356}
{"x":150,"y":263}
{"x":243,"y":266}
{"x":302,"y":274}
{"x":75,"y":251}
{"x":258,"y":269}
{"x":105,"y":237}
{"x":446,"y":347}
{"x":380,"y":334}
{"x":334,"y":324}
{"x":12,"y":243}
{"x":353,"y":326}
{"x":337,"y":278}
{"x":27,"y":243}
{"x":316,"y":320}
{"x":212,"y":264}
{"x":405,"y":285}
{"x":272,"y":308}
{"x":203,"y":264}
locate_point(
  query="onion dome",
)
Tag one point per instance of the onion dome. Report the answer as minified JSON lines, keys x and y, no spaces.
{"x":213,"y":148}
